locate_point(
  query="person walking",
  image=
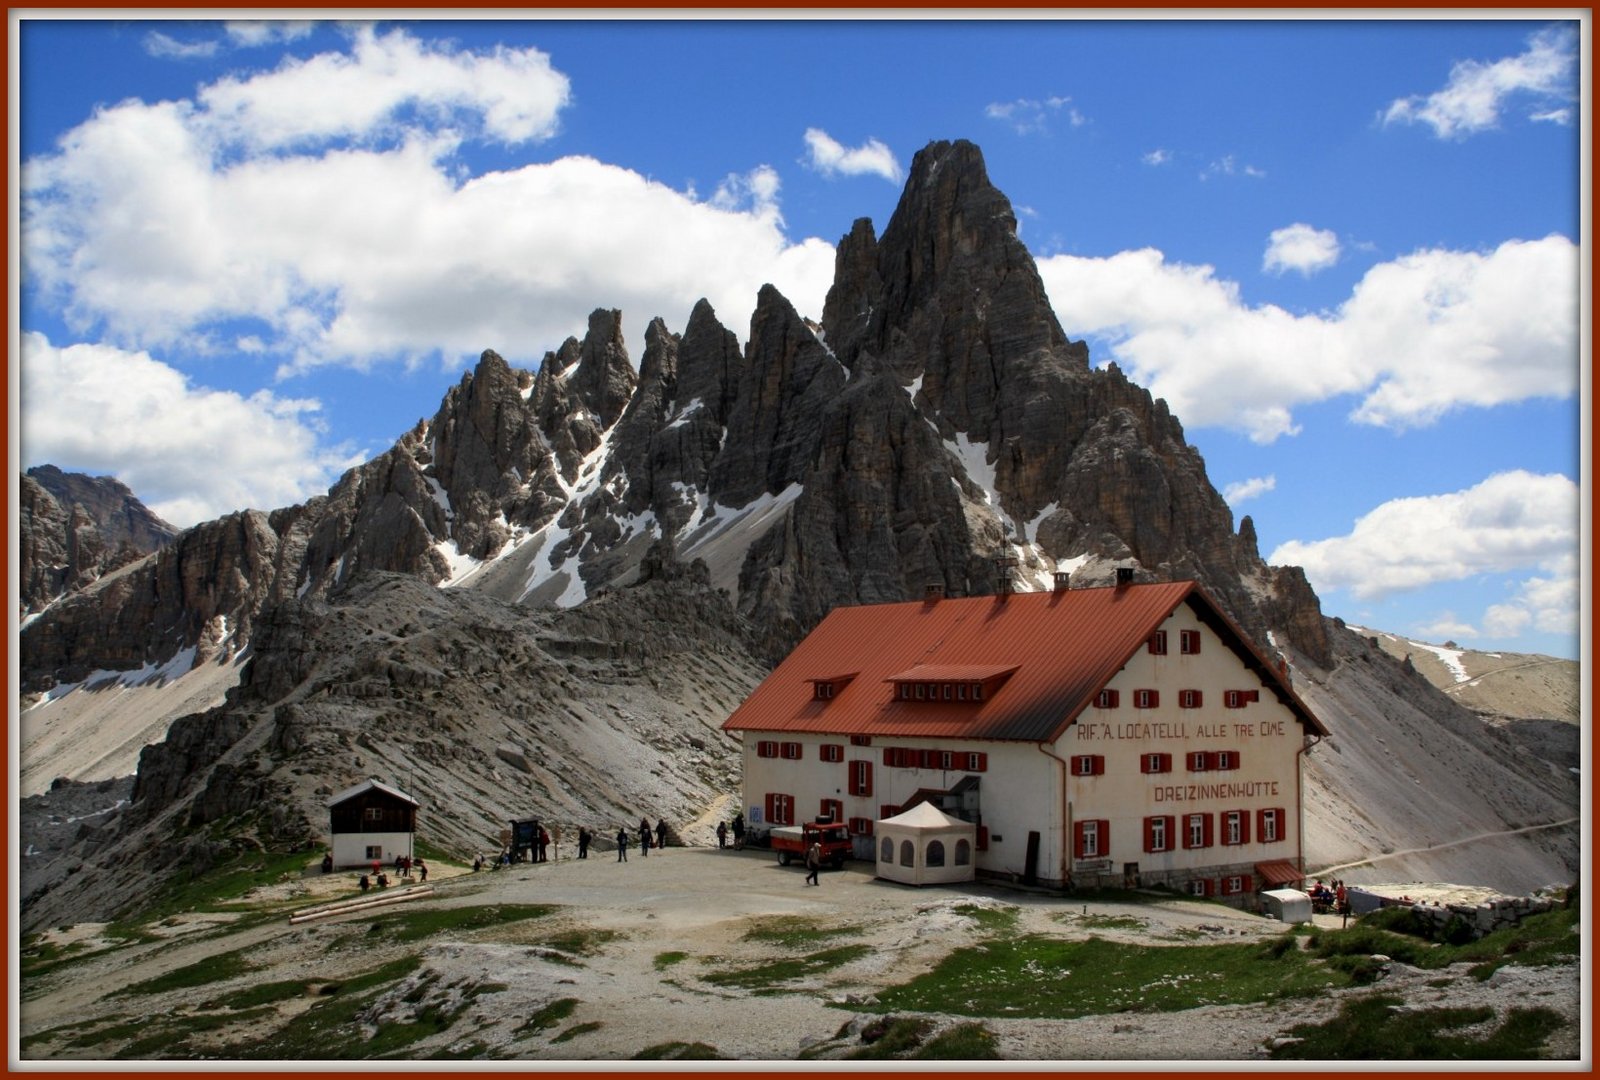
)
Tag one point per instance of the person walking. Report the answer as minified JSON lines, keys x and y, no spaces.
{"x":622,"y":845}
{"x":422,"y":870}
{"x":813,"y":863}
{"x":544,"y":844}
{"x":583,"y":842}
{"x":644,"y":839}
{"x":738,"y":831}
{"x":661,"y":833}
{"x":722,"y":834}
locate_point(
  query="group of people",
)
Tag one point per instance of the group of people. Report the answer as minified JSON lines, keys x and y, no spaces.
{"x":648,"y":837}
{"x":738,"y":832}
{"x":1332,"y":897}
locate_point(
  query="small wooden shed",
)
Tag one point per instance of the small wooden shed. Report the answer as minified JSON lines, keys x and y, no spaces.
{"x":925,"y":846}
{"x":371,"y":822}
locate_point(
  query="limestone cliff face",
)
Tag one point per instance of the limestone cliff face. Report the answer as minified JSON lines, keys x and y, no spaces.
{"x":74,"y":529}
{"x":936,"y":419}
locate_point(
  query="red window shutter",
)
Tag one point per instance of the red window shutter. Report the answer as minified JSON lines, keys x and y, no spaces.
{"x":1158,"y":643}
{"x":861,"y":826}
{"x":861,"y":778}
{"x":1190,"y":699}
{"x":1244,"y":826}
{"x":1106,"y":699}
{"x":832,"y":809}
{"x":927,"y":759}
{"x":1211,"y":821}
{"x":1099,"y":764}
{"x":1149,"y":834}
{"x":861,"y":740}
{"x":983,"y":838}
{"x":1147,"y":699}
{"x":1105,"y":837}
{"x":887,"y":811}
{"x":888,"y":755}
{"x":1077,"y":840}
{"x":770,"y":803}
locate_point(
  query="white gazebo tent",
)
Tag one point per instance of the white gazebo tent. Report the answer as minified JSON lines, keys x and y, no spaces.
{"x":925,"y":846}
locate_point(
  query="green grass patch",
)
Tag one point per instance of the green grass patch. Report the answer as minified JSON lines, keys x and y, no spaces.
{"x":665,"y":960}
{"x":1379,"y":1028}
{"x":1036,"y":976}
{"x":1102,"y":922}
{"x":212,"y":969}
{"x":419,"y":923}
{"x":328,"y":1029}
{"x":1547,"y":938}
{"x":549,"y":1016}
{"x":577,"y":1029}
{"x":891,"y":1037}
{"x":678,"y":1051}
{"x":1002,"y":920}
{"x":269,"y":993}
{"x":767,"y":976}
{"x":222,"y":888}
{"x":798,"y":933}
{"x":579,"y":942}
{"x":962,"y":1042}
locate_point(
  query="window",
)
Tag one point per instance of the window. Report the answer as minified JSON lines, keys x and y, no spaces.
{"x":899,"y":757}
{"x":977,"y":691}
{"x":1269,"y":825}
{"x":861,"y":740}
{"x":908,"y":853}
{"x":1088,"y":764}
{"x":1233,"y":886}
{"x":1199,"y":761}
{"x":948,"y":692}
{"x":1196,"y":830}
{"x":1158,"y":833}
{"x":1092,"y":839}
{"x":903,"y":691}
{"x":1154,"y":763}
{"x":1146,"y":699}
{"x":1158,"y":643}
{"x":831,"y":751}
{"x":961,"y":691}
{"x":780,"y":809}
{"x":1106,"y":699}
{"x":886,"y":851}
{"x":791,"y":750}
{"x":921,"y":691}
{"x":374,"y":813}
{"x":1189,"y":642}
{"x":766,"y":749}
{"x":1189,"y":699}
{"x":861,"y":826}
{"x":1225,"y":759}
{"x":934,"y":855}
{"x":1200,"y":887}
{"x":947,"y":760}
{"x":927,"y":759}
{"x":831,"y":809}
{"x":861,"y":778}
{"x":1236,"y":827}
{"x":822,"y":691}
{"x":976,"y":762}
{"x":374,"y":851}
{"x":963,"y":853}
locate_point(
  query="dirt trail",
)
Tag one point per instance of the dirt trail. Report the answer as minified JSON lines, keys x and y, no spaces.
{"x":1326,"y":870}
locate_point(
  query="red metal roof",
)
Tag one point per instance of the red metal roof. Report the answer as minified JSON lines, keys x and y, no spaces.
{"x":1062,"y":647}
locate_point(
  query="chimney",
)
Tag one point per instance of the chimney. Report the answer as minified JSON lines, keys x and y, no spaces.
{"x":1124,"y":576}
{"x":1003,"y":566}
{"x":1063,"y":577}
{"x":933,"y":591}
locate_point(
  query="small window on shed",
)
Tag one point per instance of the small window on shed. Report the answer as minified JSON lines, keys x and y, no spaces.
{"x":908,"y":853}
{"x":963,"y":853}
{"x":935,"y":854}
{"x":886,"y":851}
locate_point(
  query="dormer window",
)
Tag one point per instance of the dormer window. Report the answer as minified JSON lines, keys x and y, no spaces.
{"x":952,"y":683}
{"x":822,"y":691}
{"x":826,"y":689}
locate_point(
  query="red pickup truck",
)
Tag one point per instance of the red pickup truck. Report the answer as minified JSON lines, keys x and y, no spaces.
{"x":792,"y":841}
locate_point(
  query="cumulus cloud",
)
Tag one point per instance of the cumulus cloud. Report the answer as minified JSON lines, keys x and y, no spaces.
{"x":1419,"y":336}
{"x":829,"y":157}
{"x":514,"y":94}
{"x":189,"y":452}
{"x":1476,"y":92}
{"x":251,"y":33}
{"x":1031,"y":116}
{"x":1301,"y":248}
{"x":1244,"y":490}
{"x":1158,"y":156}
{"x":159,"y":225}
{"x":1511,"y":521}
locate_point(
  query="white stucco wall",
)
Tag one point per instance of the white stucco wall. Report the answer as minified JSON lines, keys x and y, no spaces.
{"x":349,"y":849}
{"x":1022,"y":788}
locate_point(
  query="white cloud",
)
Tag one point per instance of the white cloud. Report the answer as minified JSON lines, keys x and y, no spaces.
{"x":1419,"y":336}
{"x":829,"y":157}
{"x":1244,"y":490}
{"x":1547,"y":604}
{"x":1031,"y":116}
{"x":252,"y":33}
{"x":188,"y":452}
{"x":1157,"y":156}
{"x":1511,"y":521}
{"x":1228,"y":165}
{"x":163,"y":45}
{"x":514,"y":93}
{"x":1472,"y":99}
{"x":1300,"y":247}
{"x":159,"y":225}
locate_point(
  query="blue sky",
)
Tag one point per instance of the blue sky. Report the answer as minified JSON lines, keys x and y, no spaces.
{"x":1346,"y":252}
